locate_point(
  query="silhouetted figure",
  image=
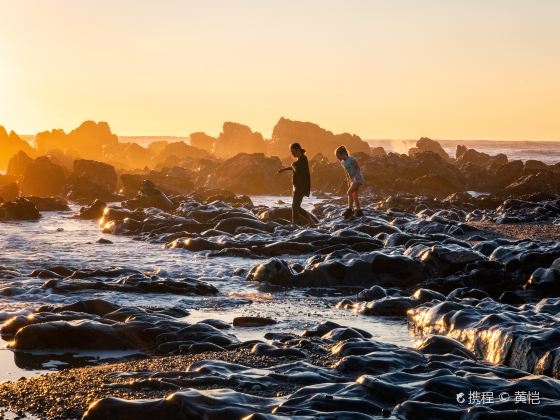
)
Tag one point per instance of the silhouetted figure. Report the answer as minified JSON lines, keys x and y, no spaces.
{"x":302,"y":183}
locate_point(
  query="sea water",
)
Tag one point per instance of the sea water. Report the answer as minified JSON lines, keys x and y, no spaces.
{"x":59,"y":239}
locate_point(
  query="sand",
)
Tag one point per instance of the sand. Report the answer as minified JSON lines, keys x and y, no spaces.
{"x":539,"y":231}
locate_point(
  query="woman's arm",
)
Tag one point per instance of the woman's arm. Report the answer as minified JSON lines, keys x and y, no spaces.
{"x":287,"y":168}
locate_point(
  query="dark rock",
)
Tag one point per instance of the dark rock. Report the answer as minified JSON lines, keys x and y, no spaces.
{"x":252,"y":321}
{"x":425,"y":144}
{"x":92,"y":212}
{"x":49,"y":203}
{"x":21,"y":209}
{"x":43,"y":178}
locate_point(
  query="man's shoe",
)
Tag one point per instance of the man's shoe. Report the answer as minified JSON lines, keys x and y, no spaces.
{"x":358,"y":213}
{"x":347,"y":214}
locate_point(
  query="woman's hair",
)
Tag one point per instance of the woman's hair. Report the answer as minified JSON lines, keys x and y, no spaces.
{"x":341,"y":150}
{"x":297,"y":146}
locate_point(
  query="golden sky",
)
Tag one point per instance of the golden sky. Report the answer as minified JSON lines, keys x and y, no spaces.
{"x":477,"y":69}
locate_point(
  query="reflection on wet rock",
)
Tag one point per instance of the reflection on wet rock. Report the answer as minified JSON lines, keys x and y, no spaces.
{"x":524,"y":337}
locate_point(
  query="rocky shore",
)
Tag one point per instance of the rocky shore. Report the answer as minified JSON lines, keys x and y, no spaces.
{"x":464,"y":249}
{"x":331,"y":372}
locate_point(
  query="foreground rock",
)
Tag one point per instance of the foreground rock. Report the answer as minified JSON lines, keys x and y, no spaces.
{"x":330,"y":371}
{"x":522,"y":337}
{"x":20,"y":209}
{"x":99,"y":325}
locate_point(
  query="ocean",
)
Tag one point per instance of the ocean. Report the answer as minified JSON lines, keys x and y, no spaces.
{"x":546,"y":151}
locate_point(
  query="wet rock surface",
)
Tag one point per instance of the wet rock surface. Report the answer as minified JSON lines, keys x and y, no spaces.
{"x":341,"y":374}
{"x":21,"y":209}
{"x":520,"y":336}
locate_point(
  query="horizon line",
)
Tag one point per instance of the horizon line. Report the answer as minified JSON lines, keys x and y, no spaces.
{"x":146,"y":136}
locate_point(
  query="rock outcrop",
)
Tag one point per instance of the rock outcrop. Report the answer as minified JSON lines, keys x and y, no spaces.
{"x":43,"y":178}
{"x":18,"y":163}
{"x":202,"y":141}
{"x":21,"y":209}
{"x":313,"y":138}
{"x":428,"y":145}
{"x":237,"y":138}
{"x":86,"y":141}
{"x":10,"y":145}
{"x":250,"y":174}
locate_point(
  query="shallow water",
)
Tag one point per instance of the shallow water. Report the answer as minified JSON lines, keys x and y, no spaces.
{"x":59,"y":239}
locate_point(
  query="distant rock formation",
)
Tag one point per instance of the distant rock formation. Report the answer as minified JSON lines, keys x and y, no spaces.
{"x":10,"y":145}
{"x":169,"y":180}
{"x":17,"y":165}
{"x":127,"y":155}
{"x":176,"y":152}
{"x":55,"y":139}
{"x":86,"y":141}
{"x":43,"y":178}
{"x":237,"y":138}
{"x":202,"y":141}
{"x":428,"y":145}
{"x":464,"y":156}
{"x":250,"y":174}
{"x":313,"y":138}
{"x":9,"y":190}
{"x":97,"y":172}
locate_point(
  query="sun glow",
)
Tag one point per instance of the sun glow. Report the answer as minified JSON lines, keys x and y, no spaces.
{"x":381,"y":69}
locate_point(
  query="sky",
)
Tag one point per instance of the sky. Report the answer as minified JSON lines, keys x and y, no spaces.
{"x":477,"y":69}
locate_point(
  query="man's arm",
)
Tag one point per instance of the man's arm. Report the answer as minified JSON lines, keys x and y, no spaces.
{"x":287,"y":168}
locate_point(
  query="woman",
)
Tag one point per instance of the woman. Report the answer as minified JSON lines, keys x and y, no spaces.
{"x":355,"y":180}
{"x":302,"y":183}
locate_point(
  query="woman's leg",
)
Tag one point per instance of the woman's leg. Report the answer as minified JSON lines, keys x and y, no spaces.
{"x":298,"y":210}
{"x":297,"y":198}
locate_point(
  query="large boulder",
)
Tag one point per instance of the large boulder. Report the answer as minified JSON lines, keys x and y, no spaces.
{"x":174,"y":153}
{"x":504,"y":175}
{"x":436,"y":185}
{"x":9,"y":190}
{"x":43,"y":178}
{"x":86,"y":141}
{"x":127,"y":155}
{"x":250,"y":174}
{"x":10,"y":145}
{"x":21,"y":209}
{"x":18,"y":164}
{"x":170,"y":180}
{"x":237,"y":138}
{"x":474,"y":157}
{"x":537,"y":182}
{"x":98,"y":173}
{"x":428,"y":145}
{"x":533,"y":165}
{"x":313,"y":138}
{"x":202,"y":141}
